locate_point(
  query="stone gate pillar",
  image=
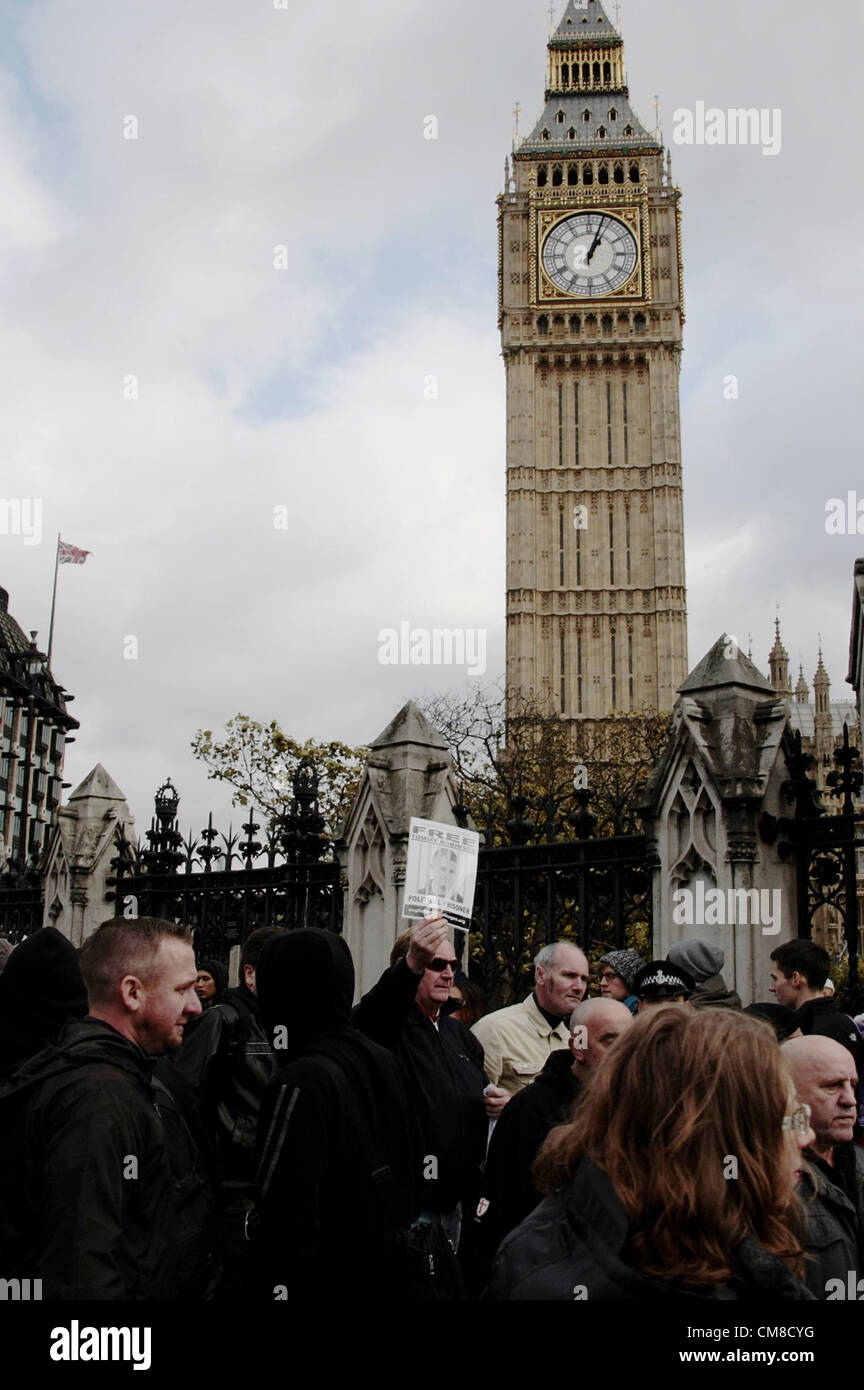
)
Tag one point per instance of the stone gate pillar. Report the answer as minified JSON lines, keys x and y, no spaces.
{"x":722,"y":769}
{"x":408,"y":773}
{"x":79,"y":855}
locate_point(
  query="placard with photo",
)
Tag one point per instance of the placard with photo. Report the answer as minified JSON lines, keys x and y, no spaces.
{"x":441,"y":873}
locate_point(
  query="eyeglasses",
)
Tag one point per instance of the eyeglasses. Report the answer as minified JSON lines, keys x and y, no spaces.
{"x":439,"y":965}
{"x":799,"y":1120}
{"x":609,"y":975}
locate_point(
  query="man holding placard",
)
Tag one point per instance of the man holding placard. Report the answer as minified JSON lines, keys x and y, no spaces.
{"x":404,"y":1012}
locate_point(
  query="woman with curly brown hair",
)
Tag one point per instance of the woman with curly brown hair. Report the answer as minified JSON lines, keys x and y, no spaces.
{"x":676,"y":1175}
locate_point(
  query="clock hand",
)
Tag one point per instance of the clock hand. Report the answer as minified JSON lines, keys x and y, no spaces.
{"x":596,"y":242}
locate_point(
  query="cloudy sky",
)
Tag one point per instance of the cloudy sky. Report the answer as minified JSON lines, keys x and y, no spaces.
{"x":296,"y":378}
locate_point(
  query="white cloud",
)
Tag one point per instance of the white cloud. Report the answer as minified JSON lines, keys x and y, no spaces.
{"x":258,"y":386}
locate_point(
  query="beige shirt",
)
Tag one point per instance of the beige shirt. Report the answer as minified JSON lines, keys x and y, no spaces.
{"x":516,"y":1043}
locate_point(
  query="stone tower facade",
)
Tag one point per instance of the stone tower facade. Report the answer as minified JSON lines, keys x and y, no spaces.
{"x":591,"y":311}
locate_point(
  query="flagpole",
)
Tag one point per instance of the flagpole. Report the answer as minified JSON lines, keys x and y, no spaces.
{"x":53,"y":602}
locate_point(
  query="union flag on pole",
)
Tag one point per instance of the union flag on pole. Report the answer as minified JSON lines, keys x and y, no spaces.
{"x":70,"y":554}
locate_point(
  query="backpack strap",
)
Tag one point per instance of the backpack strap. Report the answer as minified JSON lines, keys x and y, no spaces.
{"x":277,"y":1133}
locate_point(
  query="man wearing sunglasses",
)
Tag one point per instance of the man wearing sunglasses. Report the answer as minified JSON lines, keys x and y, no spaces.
{"x":405,"y":1012}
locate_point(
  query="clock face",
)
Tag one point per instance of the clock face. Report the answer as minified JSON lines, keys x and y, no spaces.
{"x":590,"y":255}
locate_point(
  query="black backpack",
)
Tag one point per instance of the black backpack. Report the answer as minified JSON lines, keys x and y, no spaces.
{"x":424,"y":1260}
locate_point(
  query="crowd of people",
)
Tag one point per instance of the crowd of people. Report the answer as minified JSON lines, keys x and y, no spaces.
{"x":164,"y":1136}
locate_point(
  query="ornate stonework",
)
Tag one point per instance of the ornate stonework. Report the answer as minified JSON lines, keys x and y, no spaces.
{"x":591,"y":314}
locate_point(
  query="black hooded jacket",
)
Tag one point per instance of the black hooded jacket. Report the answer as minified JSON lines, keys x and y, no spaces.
{"x":228,"y":1060}
{"x":40,"y":989}
{"x":337,"y":1138}
{"x":508,"y":1192}
{"x":445,"y":1068}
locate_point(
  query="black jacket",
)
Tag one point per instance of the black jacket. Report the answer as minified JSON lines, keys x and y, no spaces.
{"x":445,"y":1069}
{"x":339,"y":1148}
{"x":228,"y":1060}
{"x":572,"y":1246}
{"x":92,"y":1200}
{"x":834,"y":1204}
{"x":41,"y":988}
{"x":822,"y":1016}
{"x":508,"y":1194}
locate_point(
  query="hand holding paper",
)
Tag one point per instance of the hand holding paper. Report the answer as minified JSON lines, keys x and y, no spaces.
{"x":426,"y":940}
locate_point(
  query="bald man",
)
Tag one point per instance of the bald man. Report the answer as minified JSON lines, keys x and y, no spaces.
{"x":508,"y":1192}
{"x":833,"y":1188}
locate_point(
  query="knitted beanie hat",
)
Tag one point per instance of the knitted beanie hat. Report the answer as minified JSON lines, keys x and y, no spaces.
{"x":700,"y":958}
{"x":625,"y":964}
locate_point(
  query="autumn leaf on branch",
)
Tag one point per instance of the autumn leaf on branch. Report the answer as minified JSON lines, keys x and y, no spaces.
{"x":258,"y":762}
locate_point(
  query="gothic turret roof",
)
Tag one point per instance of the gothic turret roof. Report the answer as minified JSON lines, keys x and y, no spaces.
{"x":778,"y":650}
{"x":594,"y":114}
{"x":97,"y":783}
{"x":586,"y":21}
{"x":802,"y":689}
{"x":410,"y":725}
{"x":597,"y":106}
{"x":725,"y":664}
{"x":821,"y":677}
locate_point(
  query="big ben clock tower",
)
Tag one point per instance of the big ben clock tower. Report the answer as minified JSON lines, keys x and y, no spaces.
{"x":591,"y":312}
